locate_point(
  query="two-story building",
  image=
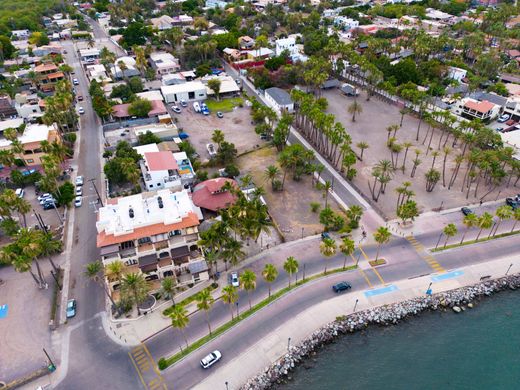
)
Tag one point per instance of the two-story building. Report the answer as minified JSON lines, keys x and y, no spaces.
{"x":474,"y":109}
{"x":89,"y":55}
{"x":153,"y":233}
{"x":48,"y":76}
{"x":164,"y":63}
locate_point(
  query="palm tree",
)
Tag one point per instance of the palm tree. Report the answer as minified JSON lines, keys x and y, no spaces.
{"x":503,"y":212}
{"x":485,"y":221}
{"x":362,"y":146}
{"x":93,"y":272}
{"x":382,"y":236}
{"x":450,"y":230}
{"x":270,"y":273}
{"x":291,"y":267}
{"x":204,"y":302}
{"x":6,"y":157}
{"x":114,"y":271}
{"x":271,"y":172}
{"x":248,"y":283}
{"x":327,"y":249}
{"x":229,"y":297}
{"x":347,"y":247}
{"x":48,"y":246}
{"x":180,"y":320}
{"x":168,"y":288}
{"x":135,"y":288}
{"x":406,"y":146}
{"x":232,"y":252}
{"x":354,"y":109}
{"x":217,"y":137}
{"x":327,"y":186}
{"x":469,"y":221}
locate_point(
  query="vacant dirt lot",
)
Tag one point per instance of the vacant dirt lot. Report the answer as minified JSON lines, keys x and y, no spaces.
{"x":370,"y":127}
{"x":236,"y":126}
{"x":291,"y":207}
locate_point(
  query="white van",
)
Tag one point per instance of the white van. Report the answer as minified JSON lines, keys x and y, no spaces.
{"x":19,"y":192}
{"x":196,"y":106}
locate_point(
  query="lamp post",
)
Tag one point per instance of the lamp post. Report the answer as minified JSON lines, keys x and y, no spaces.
{"x":302,"y":232}
{"x":510,"y":265}
{"x":237,"y":309}
{"x":439,"y":240}
{"x":95,"y":189}
{"x":288,"y":344}
{"x":355,"y":305}
{"x":429,"y":290}
{"x":227,"y":385}
{"x":51,"y":367}
{"x":304,"y":272}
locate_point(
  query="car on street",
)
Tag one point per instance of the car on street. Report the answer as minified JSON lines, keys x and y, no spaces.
{"x":183,"y":135}
{"x":79,"y":181}
{"x":513,"y":203}
{"x":211,"y":150}
{"x":341,"y":286}
{"x":78,"y":201}
{"x":466,"y":211}
{"x":210,"y":359}
{"x":81,"y":111}
{"x":20,"y":192}
{"x":176,"y":109}
{"x":233,"y":279}
{"x":325,"y":235}
{"x":71,"y":308}
{"x":80,"y":98}
{"x":220,"y":115}
{"x":183,"y":103}
{"x":79,"y":190}
{"x":503,"y":118}
{"x":75,"y":81}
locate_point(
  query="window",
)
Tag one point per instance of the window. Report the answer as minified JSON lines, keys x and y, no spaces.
{"x":175,"y":233}
{"x":158,"y":184}
{"x":144,"y":240}
{"x":191,"y":95}
{"x":151,"y":185}
{"x":30,"y":161}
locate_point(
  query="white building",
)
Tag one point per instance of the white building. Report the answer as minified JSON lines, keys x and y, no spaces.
{"x":346,"y":23}
{"x":228,"y":84}
{"x":164,"y":63}
{"x":455,"y":73}
{"x":160,"y":170}
{"x":130,"y":70}
{"x":89,"y":55}
{"x":27,"y":106}
{"x":471,"y":108}
{"x":189,"y":91}
{"x":288,"y":44}
{"x":21,"y":34}
{"x":161,"y":130}
{"x":279,"y":100}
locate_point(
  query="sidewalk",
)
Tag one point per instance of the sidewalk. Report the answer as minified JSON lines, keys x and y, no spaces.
{"x":265,"y":351}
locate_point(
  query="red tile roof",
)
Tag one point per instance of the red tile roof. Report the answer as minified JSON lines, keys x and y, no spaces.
{"x":121,"y":110}
{"x":160,"y":161}
{"x":483,"y":106}
{"x":158,"y":108}
{"x":207,"y":195}
{"x":104,"y":240}
{"x":45,"y":68}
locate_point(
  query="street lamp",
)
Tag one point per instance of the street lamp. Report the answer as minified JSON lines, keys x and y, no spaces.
{"x":429,"y":290}
{"x":288,"y":344}
{"x":302,"y":232}
{"x":227,"y":387}
{"x":237,"y":309}
{"x":355,"y":305}
{"x":510,"y":265}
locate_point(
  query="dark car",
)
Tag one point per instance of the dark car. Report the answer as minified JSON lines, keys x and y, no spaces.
{"x":466,"y":211}
{"x":513,"y":203}
{"x":325,"y":235}
{"x":341,"y":286}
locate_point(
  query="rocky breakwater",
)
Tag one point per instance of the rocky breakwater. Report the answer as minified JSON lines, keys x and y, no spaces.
{"x":386,"y":315}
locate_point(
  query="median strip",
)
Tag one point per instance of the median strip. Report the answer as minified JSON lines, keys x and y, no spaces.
{"x":164,"y":363}
{"x":451,"y":246}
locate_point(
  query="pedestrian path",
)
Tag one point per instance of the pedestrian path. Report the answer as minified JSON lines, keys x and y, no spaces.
{"x":427,"y":257}
{"x":147,"y":368}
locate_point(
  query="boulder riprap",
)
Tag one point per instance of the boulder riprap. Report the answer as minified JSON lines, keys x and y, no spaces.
{"x":383,"y":315}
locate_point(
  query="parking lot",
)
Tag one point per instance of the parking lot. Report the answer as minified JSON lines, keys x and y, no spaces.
{"x":236,"y":126}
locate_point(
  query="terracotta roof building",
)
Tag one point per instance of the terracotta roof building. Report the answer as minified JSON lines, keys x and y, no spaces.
{"x":153,"y":233}
{"x":211,"y":195}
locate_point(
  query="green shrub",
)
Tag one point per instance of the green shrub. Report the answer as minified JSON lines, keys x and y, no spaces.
{"x":162,"y":364}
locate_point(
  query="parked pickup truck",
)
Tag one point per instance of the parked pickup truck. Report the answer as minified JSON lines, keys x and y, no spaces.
{"x":349,"y":90}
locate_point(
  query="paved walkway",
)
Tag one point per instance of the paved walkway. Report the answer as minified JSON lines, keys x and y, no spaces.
{"x":261,"y":353}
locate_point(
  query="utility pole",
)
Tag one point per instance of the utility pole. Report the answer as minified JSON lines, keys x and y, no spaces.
{"x":95,"y":188}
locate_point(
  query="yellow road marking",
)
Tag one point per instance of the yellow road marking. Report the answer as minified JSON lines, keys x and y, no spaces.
{"x":155,"y":368}
{"x":365,"y":276}
{"x":138,"y":371}
{"x":362,"y":251}
{"x":428,"y":258}
{"x":371,"y":267}
{"x":378,"y":275}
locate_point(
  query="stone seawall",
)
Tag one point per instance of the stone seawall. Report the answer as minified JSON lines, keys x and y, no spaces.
{"x":391,"y":314}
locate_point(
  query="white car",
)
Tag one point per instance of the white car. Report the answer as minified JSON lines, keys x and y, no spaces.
{"x":81,"y":111}
{"x":503,"y":118}
{"x":211,"y":150}
{"x":75,"y":81}
{"x":79,"y":181}
{"x":211,"y":359}
{"x":78,"y":201}
{"x":176,"y":109}
{"x":20,"y":192}
{"x":233,"y":279}
{"x":79,"y":191}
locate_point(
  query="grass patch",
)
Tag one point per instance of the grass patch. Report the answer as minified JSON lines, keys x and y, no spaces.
{"x":163,"y":362}
{"x":377,"y":262}
{"x":475,"y":241}
{"x":166,"y":312}
{"x":224,"y":105}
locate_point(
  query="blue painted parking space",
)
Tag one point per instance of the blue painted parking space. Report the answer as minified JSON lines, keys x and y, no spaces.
{"x":379,"y":291}
{"x":447,"y":275}
{"x":3,"y":311}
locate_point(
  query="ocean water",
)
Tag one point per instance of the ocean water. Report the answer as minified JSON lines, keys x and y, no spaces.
{"x":476,"y":349}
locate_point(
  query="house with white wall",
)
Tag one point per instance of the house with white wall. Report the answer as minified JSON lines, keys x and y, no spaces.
{"x":164,"y":63}
{"x":457,"y":74}
{"x":189,"y":91}
{"x":279,"y":100}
